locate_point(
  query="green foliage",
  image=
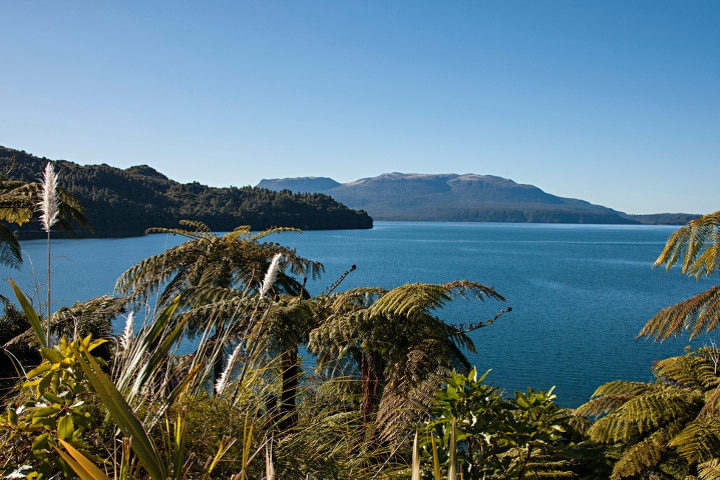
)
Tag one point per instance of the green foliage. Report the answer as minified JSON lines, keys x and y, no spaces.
{"x":57,"y":407}
{"x":497,"y":437}
{"x":670,"y":425}
{"x":397,"y":347}
{"x":15,"y":355}
{"x":696,"y":248}
{"x":209,"y":269}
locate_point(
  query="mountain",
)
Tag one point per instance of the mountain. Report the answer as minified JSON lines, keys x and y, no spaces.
{"x":126,"y":202}
{"x":460,"y":198}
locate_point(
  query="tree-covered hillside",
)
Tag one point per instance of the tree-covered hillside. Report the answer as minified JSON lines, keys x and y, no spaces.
{"x":127,"y":202}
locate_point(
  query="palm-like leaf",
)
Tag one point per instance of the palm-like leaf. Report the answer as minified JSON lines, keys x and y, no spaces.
{"x":236,"y":260}
{"x":18,"y":201}
{"x":642,"y":457}
{"x":400,"y":348}
{"x":10,"y":254}
{"x":697,"y":314}
{"x":709,"y":470}
{"x":696,"y":248}
{"x":670,"y":422}
{"x":699,"y":441}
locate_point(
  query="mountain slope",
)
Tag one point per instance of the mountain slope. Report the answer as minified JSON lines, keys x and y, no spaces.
{"x":451,"y":197}
{"x":126,"y":202}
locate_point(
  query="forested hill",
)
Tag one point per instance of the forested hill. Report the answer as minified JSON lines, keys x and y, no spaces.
{"x":126,"y":202}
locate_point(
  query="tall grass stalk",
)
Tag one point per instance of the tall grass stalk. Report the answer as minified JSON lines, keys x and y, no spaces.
{"x":416,"y":458}
{"x":49,"y":208}
{"x":270,"y":275}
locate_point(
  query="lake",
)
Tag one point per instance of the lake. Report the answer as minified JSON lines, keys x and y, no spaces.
{"x":579,"y":293}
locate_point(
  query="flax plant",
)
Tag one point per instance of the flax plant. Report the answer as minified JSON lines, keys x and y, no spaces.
{"x":49,"y":208}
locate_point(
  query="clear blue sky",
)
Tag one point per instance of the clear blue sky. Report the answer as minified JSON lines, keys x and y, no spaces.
{"x":614,"y":102}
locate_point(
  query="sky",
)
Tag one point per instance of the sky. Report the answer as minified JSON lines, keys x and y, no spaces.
{"x":614,"y":102}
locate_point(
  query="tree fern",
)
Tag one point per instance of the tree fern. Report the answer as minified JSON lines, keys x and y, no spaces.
{"x":696,"y":248}
{"x":665,"y":425}
{"x":642,"y":457}
{"x":709,"y":470}
{"x":699,"y":441}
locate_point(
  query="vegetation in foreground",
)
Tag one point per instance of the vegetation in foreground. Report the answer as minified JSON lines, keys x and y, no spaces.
{"x":389,"y":392}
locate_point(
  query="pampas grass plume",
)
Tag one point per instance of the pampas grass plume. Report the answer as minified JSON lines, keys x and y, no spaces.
{"x":225,"y":377}
{"x":270,"y":275}
{"x":128,"y":332}
{"x":49,"y":205}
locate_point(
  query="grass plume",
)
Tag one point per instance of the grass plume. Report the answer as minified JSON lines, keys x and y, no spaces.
{"x":49,"y":208}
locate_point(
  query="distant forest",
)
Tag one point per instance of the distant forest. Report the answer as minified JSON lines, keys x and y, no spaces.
{"x":120,"y":203}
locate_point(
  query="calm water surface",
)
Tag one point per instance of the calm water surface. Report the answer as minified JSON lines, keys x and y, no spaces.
{"x":579,"y":293}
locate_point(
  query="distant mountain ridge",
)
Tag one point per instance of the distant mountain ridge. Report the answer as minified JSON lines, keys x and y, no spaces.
{"x":461,"y":198}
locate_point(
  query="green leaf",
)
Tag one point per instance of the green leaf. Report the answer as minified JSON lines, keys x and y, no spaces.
{"x":65,"y":428}
{"x":36,"y":372}
{"x":81,"y":465}
{"x":122,"y":415}
{"x":12,"y":416}
{"x":41,"y":443}
{"x":31,"y":314}
{"x":452,"y":448}
{"x":53,"y":356}
{"x":416,"y":458}
{"x":46,"y":411}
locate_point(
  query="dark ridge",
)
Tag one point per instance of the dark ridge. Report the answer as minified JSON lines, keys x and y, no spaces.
{"x":121,"y":203}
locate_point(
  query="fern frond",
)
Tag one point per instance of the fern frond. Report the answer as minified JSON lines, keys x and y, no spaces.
{"x":697,"y":314}
{"x":645,"y":413}
{"x":10,"y":254}
{"x":599,"y":406}
{"x":548,"y":467}
{"x":411,"y":300}
{"x":695,"y":246}
{"x":622,"y":387}
{"x":699,"y":441}
{"x":651,"y":411}
{"x":689,"y":371}
{"x":642,"y":457}
{"x":709,"y":470}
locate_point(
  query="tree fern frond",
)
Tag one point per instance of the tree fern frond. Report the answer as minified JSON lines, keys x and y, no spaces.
{"x":689,"y":371}
{"x":622,"y":387}
{"x":10,"y":254}
{"x":694,"y":246}
{"x":201,"y":230}
{"x":709,"y":470}
{"x":17,"y":201}
{"x":599,"y":406}
{"x":273,"y":230}
{"x":355,"y":298}
{"x":404,"y":405}
{"x":548,"y":467}
{"x":699,"y":441}
{"x":646,"y":413}
{"x":651,"y":411}
{"x":642,"y":457}
{"x":477,"y":290}
{"x":411,"y":300}
{"x":712,"y":403}
{"x":697,"y":314}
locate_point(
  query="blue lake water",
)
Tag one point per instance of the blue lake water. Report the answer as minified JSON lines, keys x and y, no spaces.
{"x":579,"y":293}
